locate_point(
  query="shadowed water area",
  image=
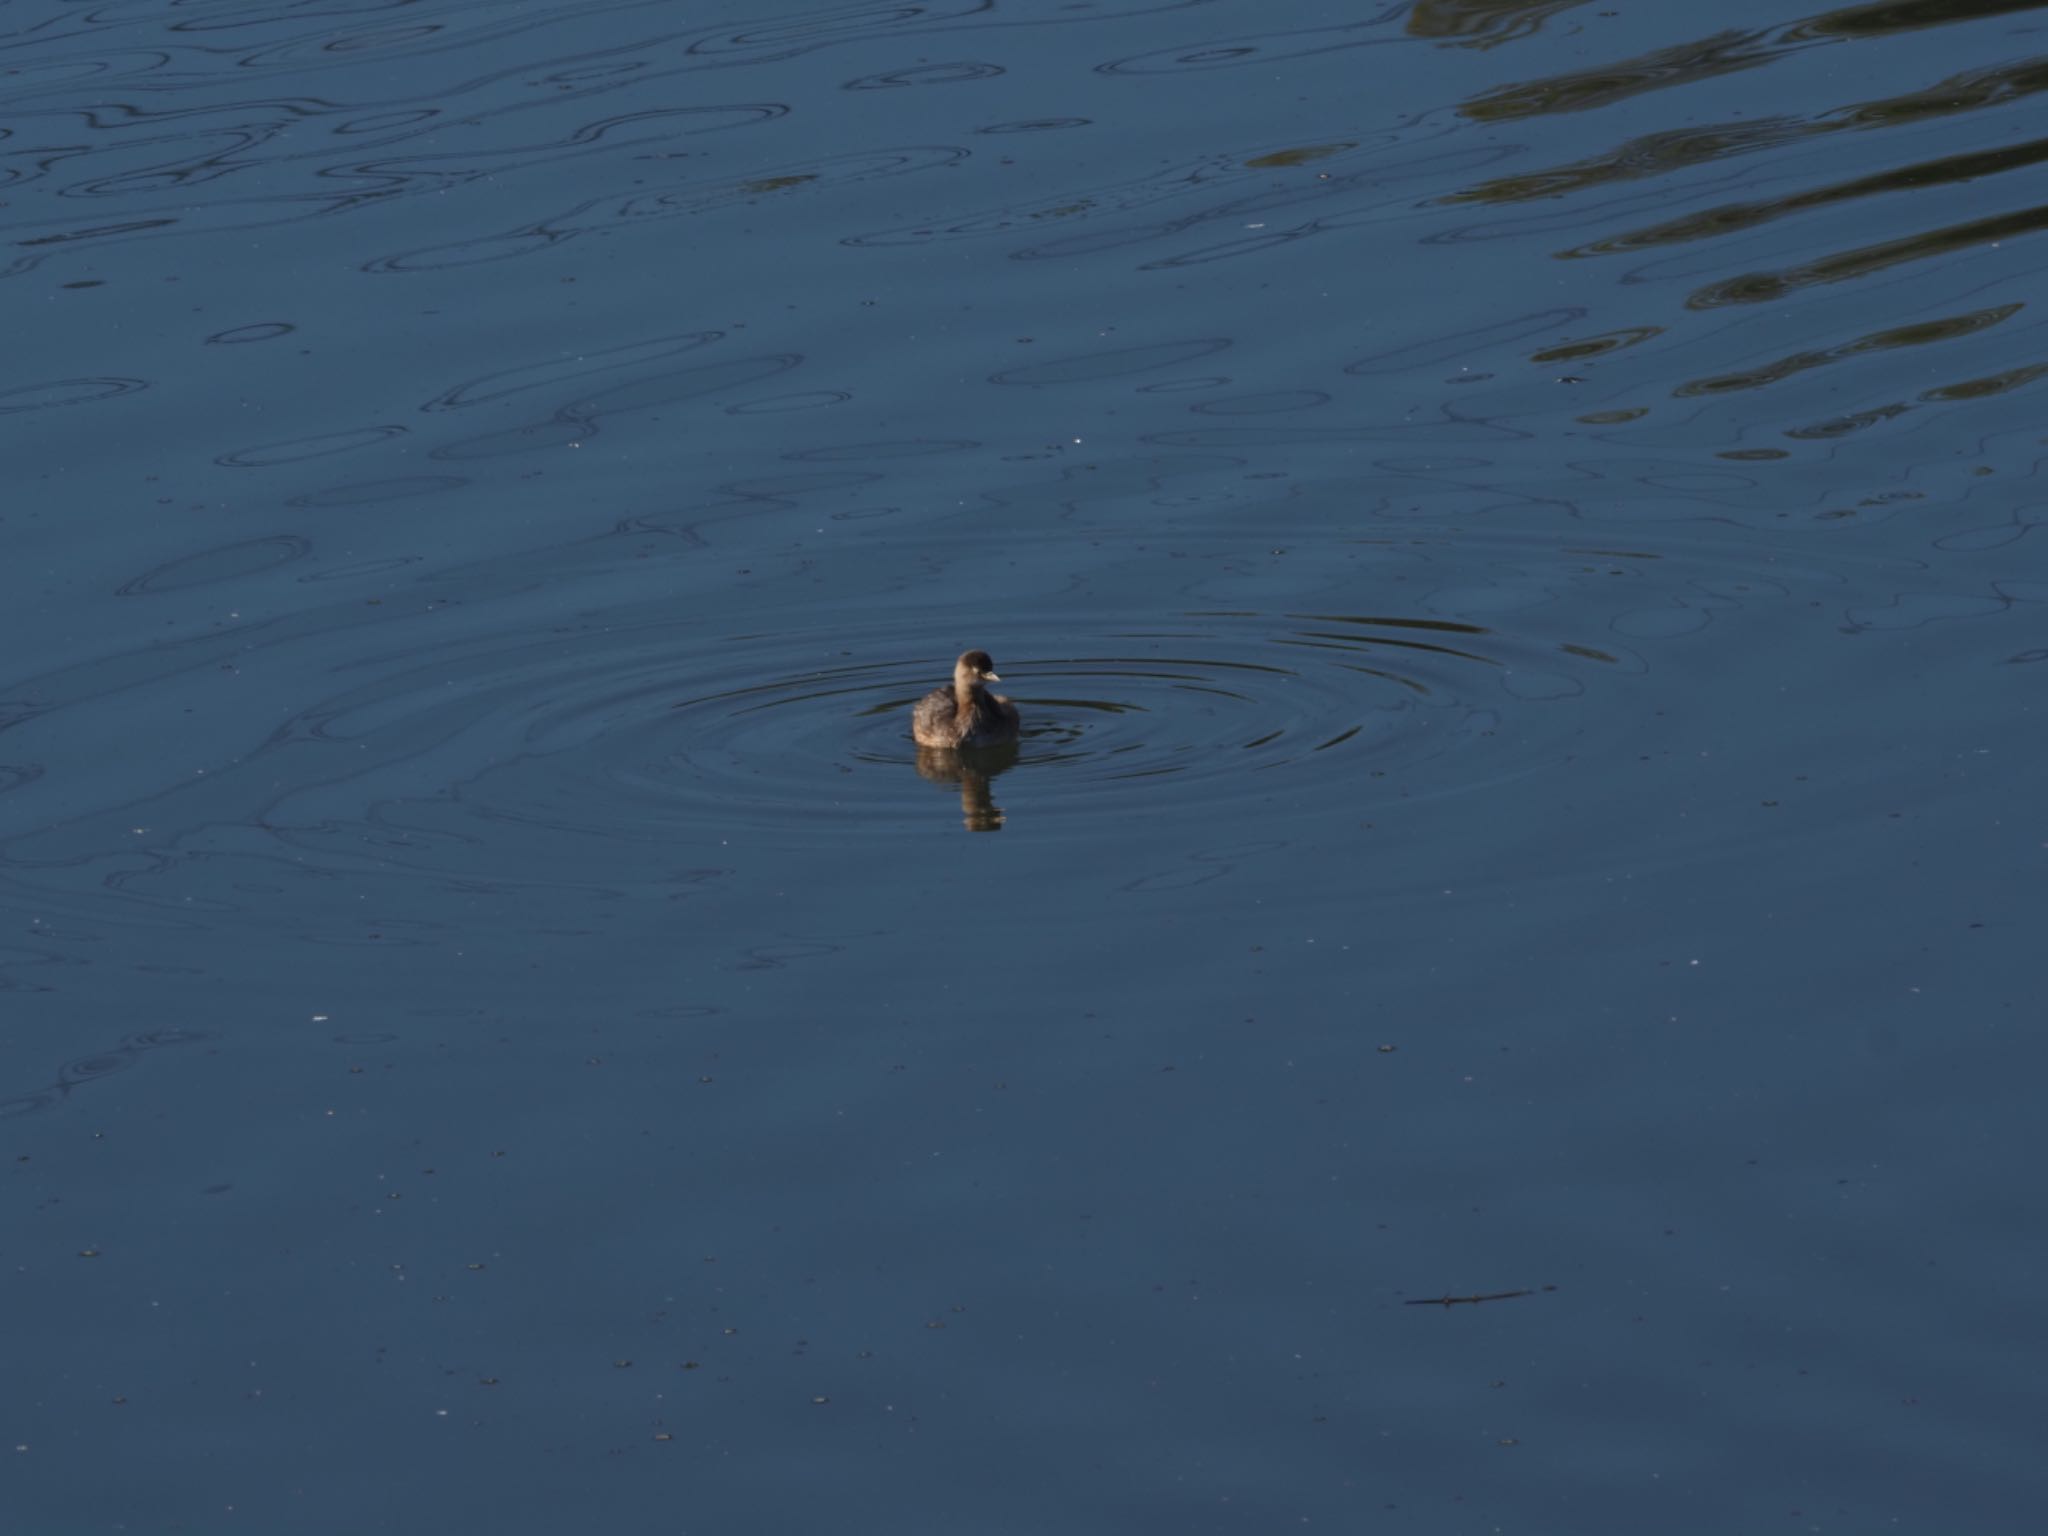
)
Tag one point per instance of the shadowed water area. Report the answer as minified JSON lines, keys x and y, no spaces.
{"x":1497,"y":990}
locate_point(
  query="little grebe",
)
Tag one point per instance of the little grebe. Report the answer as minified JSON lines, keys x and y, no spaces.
{"x":966,"y":714}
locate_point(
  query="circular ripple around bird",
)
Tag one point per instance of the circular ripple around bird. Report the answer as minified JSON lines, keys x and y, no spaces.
{"x":658,"y":738}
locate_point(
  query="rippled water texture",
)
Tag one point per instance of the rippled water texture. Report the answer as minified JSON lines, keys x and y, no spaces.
{"x":1496,"y":990}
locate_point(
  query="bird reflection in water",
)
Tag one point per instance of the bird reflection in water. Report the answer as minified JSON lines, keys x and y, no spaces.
{"x":973,"y":769}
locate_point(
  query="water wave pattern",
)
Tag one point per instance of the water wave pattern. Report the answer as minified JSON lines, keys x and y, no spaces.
{"x":1690,"y":242}
{"x":88,"y":1069}
{"x":650,"y":751}
{"x":1701,"y":351}
{"x":172,"y":106}
{"x":1440,"y":639}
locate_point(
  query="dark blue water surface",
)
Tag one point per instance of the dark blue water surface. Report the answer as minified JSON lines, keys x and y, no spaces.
{"x":1500,"y":991}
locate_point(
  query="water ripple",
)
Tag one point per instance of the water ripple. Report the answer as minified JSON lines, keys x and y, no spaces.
{"x":83,"y":1070}
{"x":652,"y":737}
{"x":646,"y":749}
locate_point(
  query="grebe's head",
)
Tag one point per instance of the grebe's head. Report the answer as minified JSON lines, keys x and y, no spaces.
{"x":975,"y":667}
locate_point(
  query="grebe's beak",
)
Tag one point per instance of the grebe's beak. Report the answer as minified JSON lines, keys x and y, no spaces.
{"x":994,"y":677}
